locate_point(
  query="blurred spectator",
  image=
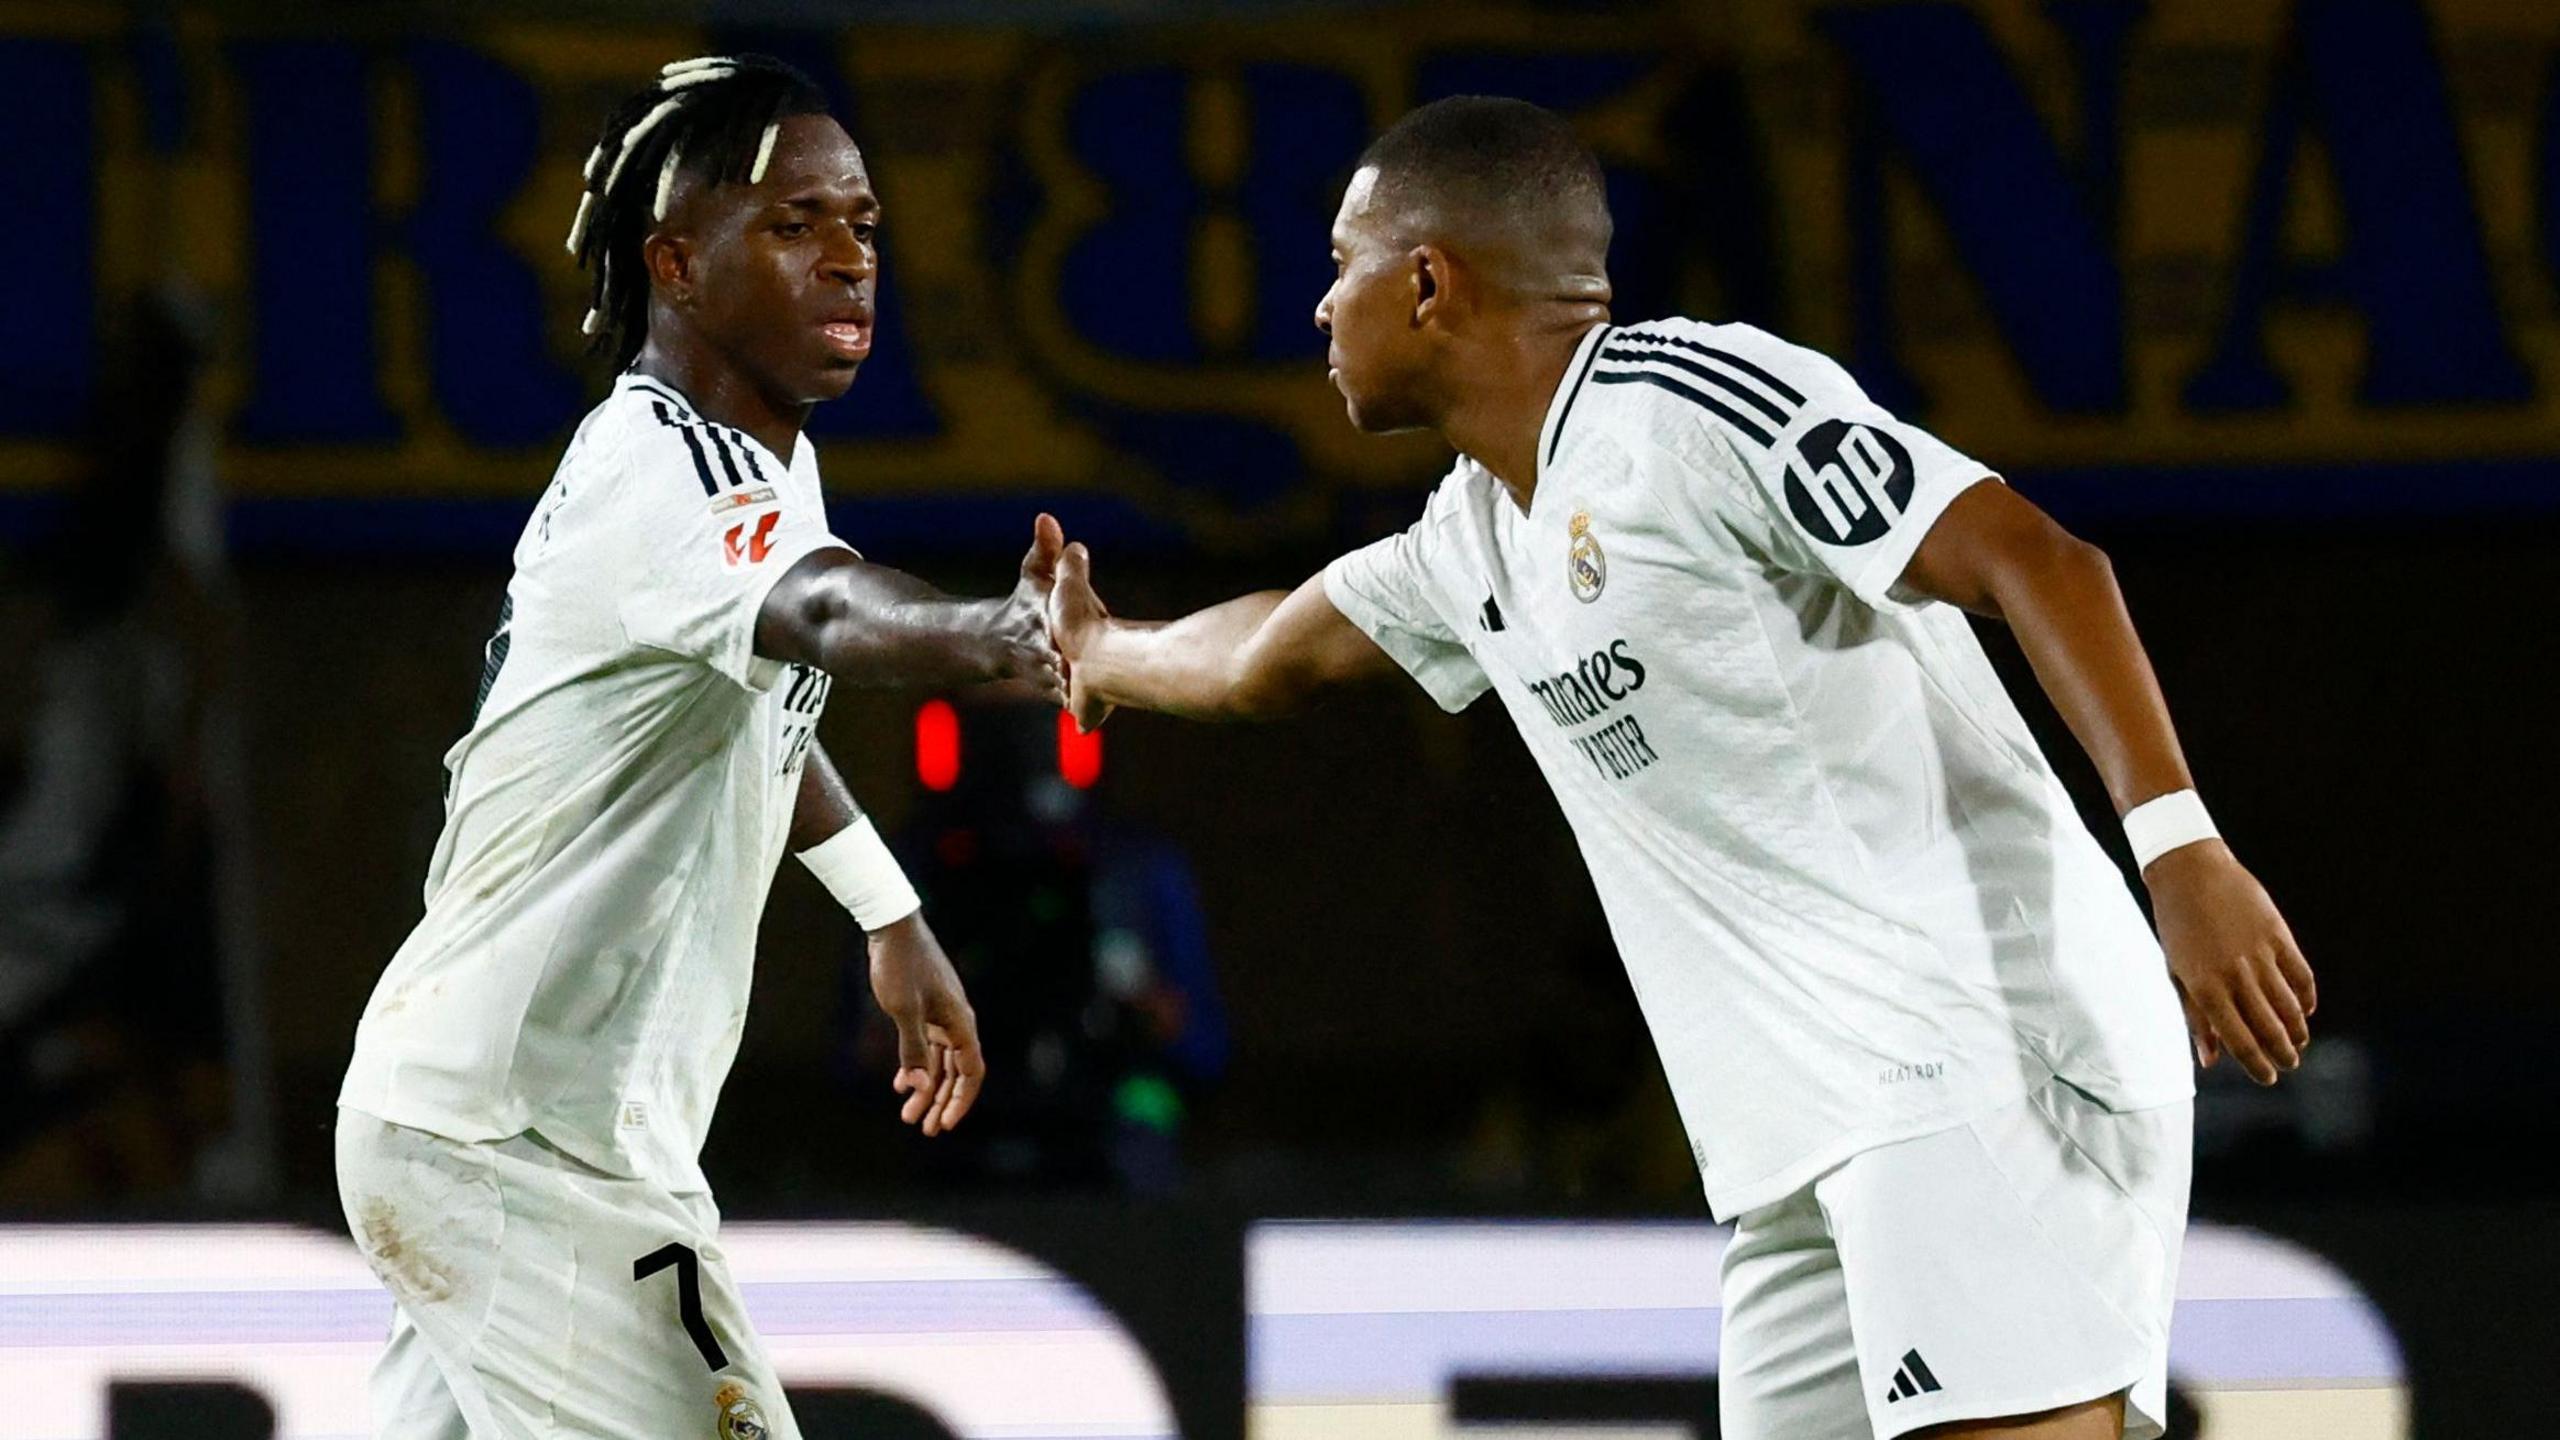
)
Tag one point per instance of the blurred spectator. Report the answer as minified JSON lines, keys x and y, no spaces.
{"x":127,"y":1036}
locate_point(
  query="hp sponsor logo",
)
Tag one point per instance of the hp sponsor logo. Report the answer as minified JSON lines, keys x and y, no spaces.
{"x":1860,"y":482}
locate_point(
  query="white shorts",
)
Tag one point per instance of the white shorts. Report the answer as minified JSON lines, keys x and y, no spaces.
{"x":2019,"y":1263}
{"x":540,"y":1297}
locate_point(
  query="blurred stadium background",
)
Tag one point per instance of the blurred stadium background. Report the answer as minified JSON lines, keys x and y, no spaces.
{"x":2264,"y":295}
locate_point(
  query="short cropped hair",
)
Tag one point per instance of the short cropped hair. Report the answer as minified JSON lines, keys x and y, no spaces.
{"x":1484,"y":159}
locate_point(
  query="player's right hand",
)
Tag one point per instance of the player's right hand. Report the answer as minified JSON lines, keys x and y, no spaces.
{"x":1024,"y":649}
{"x":2246,"y":987}
{"x":1077,"y":617}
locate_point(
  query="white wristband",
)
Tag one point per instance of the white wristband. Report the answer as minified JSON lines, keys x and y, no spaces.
{"x":856,"y":867}
{"x":2159,"y":826}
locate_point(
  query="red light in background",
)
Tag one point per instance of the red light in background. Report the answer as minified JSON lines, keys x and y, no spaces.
{"x":1079,"y":755}
{"x":937,"y":745}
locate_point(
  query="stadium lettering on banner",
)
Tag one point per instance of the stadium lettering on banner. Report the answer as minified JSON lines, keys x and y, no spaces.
{"x":2187,"y":250}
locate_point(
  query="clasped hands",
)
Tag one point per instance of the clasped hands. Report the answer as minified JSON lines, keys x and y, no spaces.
{"x":1051,"y":621}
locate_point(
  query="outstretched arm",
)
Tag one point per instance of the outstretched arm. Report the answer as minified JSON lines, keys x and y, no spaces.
{"x":2246,"y":986}
{"x":867,"y":624}
{"x":940,"y":1067}
{"x":1256,"y":657}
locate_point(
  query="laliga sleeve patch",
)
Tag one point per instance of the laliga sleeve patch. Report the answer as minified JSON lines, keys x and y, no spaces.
{"x":745,"y":545}
{"x":1848,"y":483}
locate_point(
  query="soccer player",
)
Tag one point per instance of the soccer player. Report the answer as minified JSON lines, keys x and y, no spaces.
{"x":1927,"y":1051}
{"x":519,"y":1132}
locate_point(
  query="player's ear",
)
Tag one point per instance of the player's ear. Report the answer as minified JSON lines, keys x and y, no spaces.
{"x":1430,"y":283}
{"x":668,"y":257}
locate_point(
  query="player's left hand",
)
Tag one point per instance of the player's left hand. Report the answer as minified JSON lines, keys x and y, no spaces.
{"x":2246,"y":987}
{"x":1077,"y":617}
{"x":940,"y":1068}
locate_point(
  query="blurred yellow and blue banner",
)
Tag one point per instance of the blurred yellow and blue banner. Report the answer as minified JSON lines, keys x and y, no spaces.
{"x":2180,"y":255}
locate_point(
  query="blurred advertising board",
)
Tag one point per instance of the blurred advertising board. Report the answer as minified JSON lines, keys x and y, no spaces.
{"x":1348,"y":1330}
{"x":1415,"y":1332}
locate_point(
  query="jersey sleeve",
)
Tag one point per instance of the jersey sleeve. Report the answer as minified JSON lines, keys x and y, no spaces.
{"x":1385,"y":588}
{"x":1843,"y":488}
{"x":711,"y":528}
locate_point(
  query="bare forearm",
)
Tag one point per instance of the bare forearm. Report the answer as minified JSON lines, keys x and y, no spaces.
{"x":1199,"y":667}
{"x":2240,"y":975}
{"x":870,"y":625}
{"x":2070,"y":619}
{"x":1256,"y":657}
{"x":825,"y":805}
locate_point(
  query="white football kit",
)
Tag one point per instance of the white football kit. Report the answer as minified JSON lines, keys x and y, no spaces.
{"x":1859,"y":910}
{"x":521,"y":1126}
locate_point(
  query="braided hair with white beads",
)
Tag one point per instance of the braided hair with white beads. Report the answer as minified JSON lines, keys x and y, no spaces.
{"x":714,"y":118}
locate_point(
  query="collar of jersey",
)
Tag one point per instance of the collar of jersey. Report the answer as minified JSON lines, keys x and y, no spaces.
{"x":1560,"y":405}
{"x":652,"y":385}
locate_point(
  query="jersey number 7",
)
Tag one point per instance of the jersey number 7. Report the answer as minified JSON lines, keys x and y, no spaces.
{"x":688,"y":1296}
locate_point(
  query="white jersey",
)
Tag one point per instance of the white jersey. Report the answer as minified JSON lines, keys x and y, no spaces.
{"x":1853,"y":899}
{"x":615,"y":815}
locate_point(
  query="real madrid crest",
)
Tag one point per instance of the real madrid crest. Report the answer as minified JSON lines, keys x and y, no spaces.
{"x":741,"y":1418}
{"x":1584,"y":564}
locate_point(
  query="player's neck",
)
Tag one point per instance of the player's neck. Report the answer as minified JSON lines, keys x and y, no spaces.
{"x":724,"y":396}
{"x":1496,"y":420}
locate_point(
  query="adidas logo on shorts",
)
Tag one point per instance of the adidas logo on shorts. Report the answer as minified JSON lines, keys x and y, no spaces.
{"x":1912,"y":1378}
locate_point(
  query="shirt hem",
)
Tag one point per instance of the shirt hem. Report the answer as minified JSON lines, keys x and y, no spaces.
{"x":1726,"y":1202}
{"x":433,"y":1119}
{"x":2126,"y":1100}
{"x":574,"y":1141}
